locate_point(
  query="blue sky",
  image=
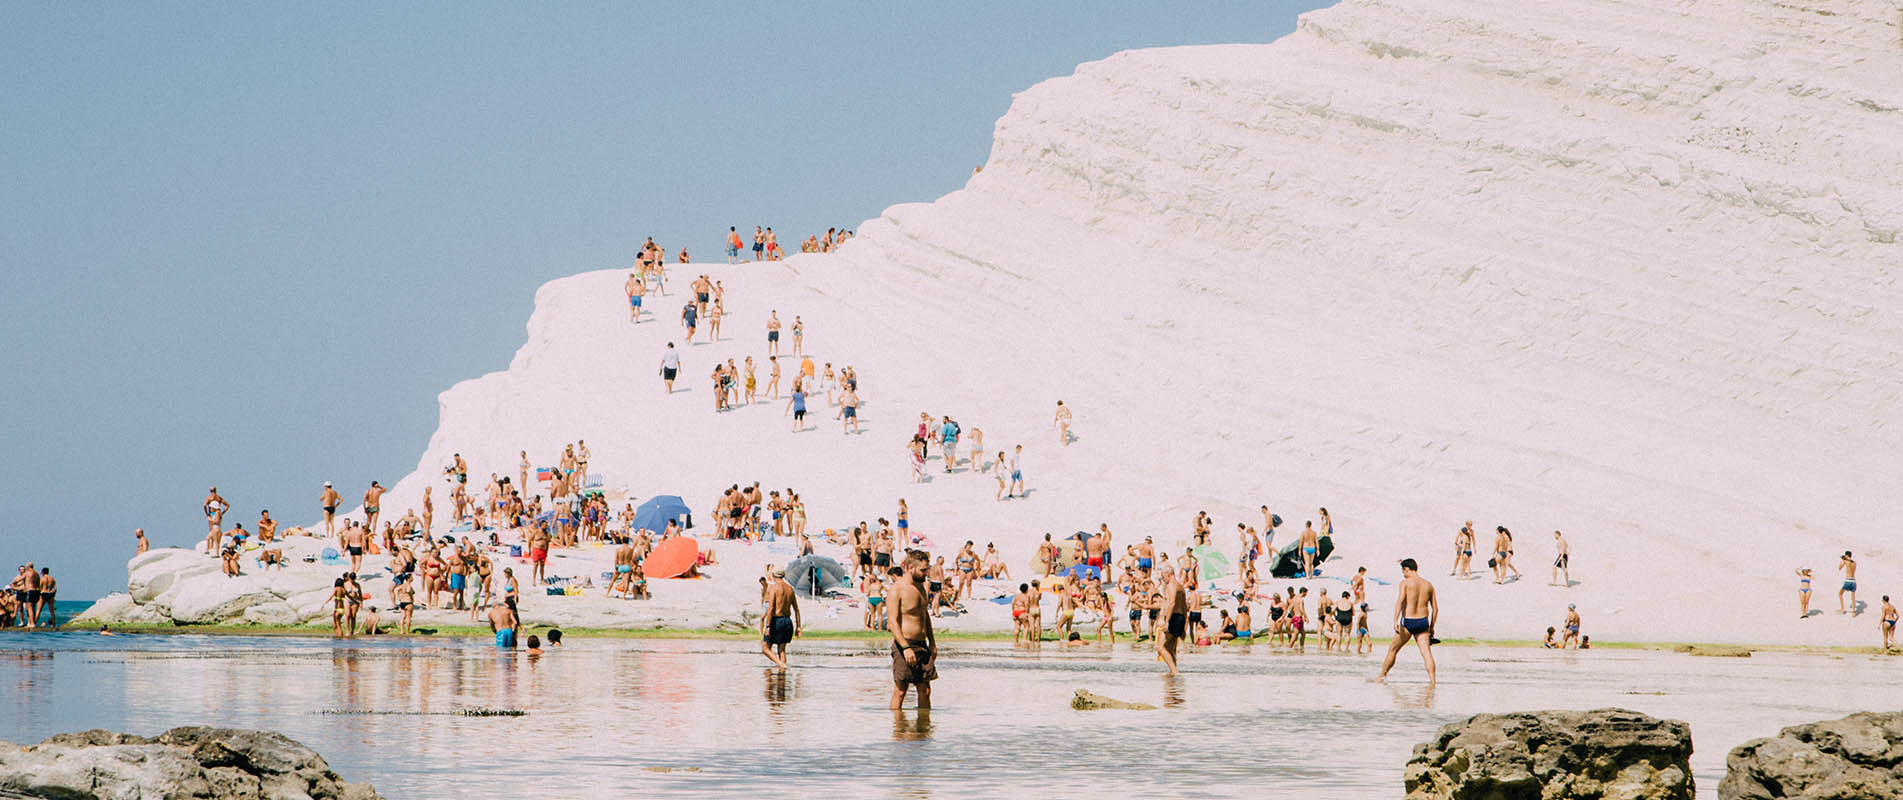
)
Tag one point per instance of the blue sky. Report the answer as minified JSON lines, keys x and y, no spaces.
{"x":247,"y":245}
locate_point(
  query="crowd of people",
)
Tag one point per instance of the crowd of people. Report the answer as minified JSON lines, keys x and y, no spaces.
{"x":30,"y":596}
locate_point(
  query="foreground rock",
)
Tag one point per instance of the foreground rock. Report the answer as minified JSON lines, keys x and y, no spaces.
{"x":1085,"y":700}
{"x":194,"y":762}
{"x":1543,"y":755}
{"x":1859,"y":756}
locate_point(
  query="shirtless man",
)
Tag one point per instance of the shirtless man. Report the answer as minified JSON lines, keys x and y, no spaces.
{"x":1097,"y":549}
{"x":354,"y":541}
{"x":429,"y":510}
{"x":1034,"y":614}
{"x":773,"y":336}
{"x":914,"y":645}
{"x":1416,"y":612}
{"x":1066,"y":611}
{"x":1572,"y":627}
{"x":503,"y":620}
{"x":1020,"y":612}
{"x":703,"y":290}
{"x":458,"y":578}
{"x":1062,"y":421}
{"x":781,"y":622}
{"x":330,"y":499}
{"x":139,"y":533}
{"x":849,"y":410}
{"x":1173,"y":607}
{"x":636,"y":290}
{"x":267,"y":527}
{"x":1888,"y":621}
{"x":624,"y":571}
{"x":1562,"y":563}
{"x":538,"y":556}
{"x":1849,"y":567}
{"x":799,"y":336}
{"x":1311,"y":549}
{"x":372,"y":504}
{"x":1146,"y":556}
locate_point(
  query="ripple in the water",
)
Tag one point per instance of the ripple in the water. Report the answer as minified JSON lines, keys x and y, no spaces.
{"x":709,"y":718}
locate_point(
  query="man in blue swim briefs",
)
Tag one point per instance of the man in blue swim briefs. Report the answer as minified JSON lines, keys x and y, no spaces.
{"x":1416,"y":612}
{"x":503,"y":621}
{"x":1889,"y":624}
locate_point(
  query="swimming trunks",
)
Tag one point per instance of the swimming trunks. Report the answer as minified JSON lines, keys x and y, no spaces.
{"x":851,"y":412}
{"x":882,"y":559}
{"x":772,"y":336}
{"x":623,"y":568}
{"x":779,"y":630}
{"x":701,"y":296}
{"x":924,"y":671}
{"x":539,"y":555}
{"x":1144,"y":563}
{"x":667,"y":373}
{"x":371,"y":509}
{"x":1561,"y":561}
{"x":455,"y":582}
{"x":1415,"y":626}
{"x":1136,"y":614}
{"x":330,"y":509}
{"x":1195,"y":617}
{"x":1298,"y":621}
{"x":903,"y":524}
{"x":505,"y":638}
{"x":865,"y":558}
{"x":1572,"y":628}
{"x":1244,"y":634}
{"x":355,"y":551}
{"x":1850,"y":585}
{"x":935,"y":586}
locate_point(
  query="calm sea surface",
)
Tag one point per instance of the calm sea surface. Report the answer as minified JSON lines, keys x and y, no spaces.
{"x":605,"y":716}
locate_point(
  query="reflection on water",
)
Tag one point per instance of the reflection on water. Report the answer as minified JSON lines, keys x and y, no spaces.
{"x":602,"y":713}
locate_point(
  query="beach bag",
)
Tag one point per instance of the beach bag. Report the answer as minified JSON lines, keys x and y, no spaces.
{"x":1491,"y":563}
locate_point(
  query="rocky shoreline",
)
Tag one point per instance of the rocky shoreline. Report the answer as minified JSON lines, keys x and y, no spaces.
{"x":187,"y":762}
{"x":1616,"y":753}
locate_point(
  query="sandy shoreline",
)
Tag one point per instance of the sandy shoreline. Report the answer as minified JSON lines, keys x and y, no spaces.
{"x":688,"y":634}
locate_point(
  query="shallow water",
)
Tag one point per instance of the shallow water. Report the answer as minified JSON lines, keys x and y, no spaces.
{"x":600,"y":712}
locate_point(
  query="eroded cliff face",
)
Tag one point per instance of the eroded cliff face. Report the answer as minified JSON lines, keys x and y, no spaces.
{"x":1626,"y":269}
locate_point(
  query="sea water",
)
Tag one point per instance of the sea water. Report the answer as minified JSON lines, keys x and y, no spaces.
{"x":705,"y":718}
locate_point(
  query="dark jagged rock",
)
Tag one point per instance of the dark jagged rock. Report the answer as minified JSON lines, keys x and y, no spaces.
{"x":1859,"y":756}
{"x":1547,"y":755}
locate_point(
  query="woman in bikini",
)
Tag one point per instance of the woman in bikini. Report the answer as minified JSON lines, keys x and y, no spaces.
{"x":1803,"y":593}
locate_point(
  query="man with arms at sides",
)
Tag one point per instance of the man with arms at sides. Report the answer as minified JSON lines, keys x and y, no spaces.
{"x":1416,"y":612}
{"x":914,"y":645}
{"x":781,"y":622}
